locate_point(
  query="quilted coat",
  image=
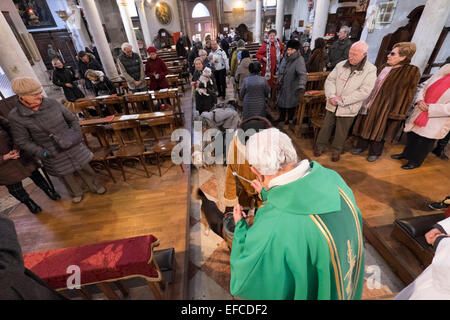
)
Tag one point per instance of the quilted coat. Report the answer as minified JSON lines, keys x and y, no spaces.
{"x":26,"y":127}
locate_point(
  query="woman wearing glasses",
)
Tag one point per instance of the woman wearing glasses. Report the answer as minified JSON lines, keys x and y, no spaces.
{"x":390,"y":100}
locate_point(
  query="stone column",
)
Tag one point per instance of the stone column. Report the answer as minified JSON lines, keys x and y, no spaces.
{"x":428,"y":30}
{"x":279,"y":19}
{"x":12,"y":59}
{"x":320,"y":20}
{"x":258,"y":21}
{"x":140,"y":4}
{"x":96,"y":29}
{"x":128,"y":24}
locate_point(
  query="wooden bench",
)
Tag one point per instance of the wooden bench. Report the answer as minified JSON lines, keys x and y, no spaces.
{"x":100,"y":264}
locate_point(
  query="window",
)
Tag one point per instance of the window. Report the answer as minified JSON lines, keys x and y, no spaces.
{"x":270,"y":3}
{"x":200,"y":11}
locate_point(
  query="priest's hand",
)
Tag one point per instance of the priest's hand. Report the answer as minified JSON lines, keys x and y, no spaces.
{"x":238,"y":213}
{"x":257,"y":183}
{"x":431,"y":235}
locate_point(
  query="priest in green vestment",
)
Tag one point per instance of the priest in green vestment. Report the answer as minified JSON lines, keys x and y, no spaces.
{"x":306,"y":241}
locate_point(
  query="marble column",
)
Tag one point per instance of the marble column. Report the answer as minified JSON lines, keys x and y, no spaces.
{"x":279,"y":19}
{"x":12,"y":59}
{"x":428,"y":30}
{"x":140,"y":4}
{"x":320,"y":20}
{"x":96,"y":29}
{"x":258,"y":18}
{"x":128,"y":24}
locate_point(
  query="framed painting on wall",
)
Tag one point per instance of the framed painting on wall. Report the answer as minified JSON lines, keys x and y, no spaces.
{"x":163,"y":13}
{"x":35,"y":13}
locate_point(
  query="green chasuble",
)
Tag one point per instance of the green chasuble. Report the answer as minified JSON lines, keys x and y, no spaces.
{"x":306,"y":242}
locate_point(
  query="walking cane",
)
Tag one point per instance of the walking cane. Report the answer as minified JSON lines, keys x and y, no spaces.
{"x":48,"y":179}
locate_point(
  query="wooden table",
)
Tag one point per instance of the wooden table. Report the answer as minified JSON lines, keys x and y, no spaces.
{"x":118,"y":118}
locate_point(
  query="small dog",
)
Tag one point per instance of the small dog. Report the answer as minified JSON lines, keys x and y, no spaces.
{"x":205,"y":78}
{"x":213,"y":215}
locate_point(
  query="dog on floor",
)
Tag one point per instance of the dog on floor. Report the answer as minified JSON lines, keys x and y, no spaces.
{"x":211,"y":212}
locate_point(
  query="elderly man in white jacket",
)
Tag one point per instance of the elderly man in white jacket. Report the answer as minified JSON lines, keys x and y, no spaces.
{"x":434,"y":282}
{"x":346,"y":87}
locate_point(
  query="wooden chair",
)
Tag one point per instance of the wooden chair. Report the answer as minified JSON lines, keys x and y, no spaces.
{"x":121,"y":86}
{"x":111,"y":103}
{"x":318,"y":112}
{"x":175,"y":102}
{"x":85,"y":105}
{"x":314,"y":91}
{"x":162,"y":141}
{"x":139,"y":102}
{"x":129,"y":148}
{"x":103,"y":153}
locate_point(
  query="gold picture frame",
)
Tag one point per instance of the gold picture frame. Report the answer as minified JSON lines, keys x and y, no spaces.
{"x":163,"y":13}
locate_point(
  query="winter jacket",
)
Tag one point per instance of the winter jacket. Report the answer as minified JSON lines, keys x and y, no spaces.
{"x":254,"y":92}
{"x":157,"y":66}
{"x":220,"y":60}
{"x":27,"y":129}
{"x":438,"y":124}
{"x":16,"y":281}
{"x":353,"y":87}
{"x":66,"y":75}
{"x":292,"y":76}
{"x":13,"y":170}
{"x":339,"y":51}
{"x":132,"y":69}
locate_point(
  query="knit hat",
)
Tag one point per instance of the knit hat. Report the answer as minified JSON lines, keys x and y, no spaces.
{"x":293,"y":44}
{"x":241,"y":43}
{"x":25,"y":86}
{"x":151,"y":49}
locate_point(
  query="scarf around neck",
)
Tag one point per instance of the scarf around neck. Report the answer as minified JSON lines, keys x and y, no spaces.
{"x":268,"y":74}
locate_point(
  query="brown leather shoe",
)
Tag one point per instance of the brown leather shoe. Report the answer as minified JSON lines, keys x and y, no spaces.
{"x":335,"y":157}
{"x":317,"y":152}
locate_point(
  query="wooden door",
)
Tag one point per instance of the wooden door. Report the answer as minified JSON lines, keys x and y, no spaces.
{"x":201,"y":18}
{"x":62,"y":44}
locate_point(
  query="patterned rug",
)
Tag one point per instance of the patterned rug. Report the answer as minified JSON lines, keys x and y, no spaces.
{"x":209,"y":269}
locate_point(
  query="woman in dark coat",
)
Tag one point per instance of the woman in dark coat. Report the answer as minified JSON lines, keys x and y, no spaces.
{"x":205,"y":89}
{"x":389,"y":102}
{"x":15,"y":166}
{"x":181,"y":50}
{"x":33,"y":122}
{"x":254,"y":92}
{"x":317,"y":60}
{"x":292,"y":78}
{"x":66,"y":78}
{"x":102,"y":84}
{"x":156,"y":70}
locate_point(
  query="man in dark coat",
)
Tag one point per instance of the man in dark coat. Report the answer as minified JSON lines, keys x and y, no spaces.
{"x":132,"y":68}
{"x":35,"y":121}
{"x":292,"y":77}
{"x":66,"y":78}
{"x":87,"y":61}
{"x":181,"y":50}
{"x":16,"y":281}
{"x":340,"y":48}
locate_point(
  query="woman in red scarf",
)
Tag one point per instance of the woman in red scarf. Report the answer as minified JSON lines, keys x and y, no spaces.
{"x":430,"y":120}
{"x":156,"y":70}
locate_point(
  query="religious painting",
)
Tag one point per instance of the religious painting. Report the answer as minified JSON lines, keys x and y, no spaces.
{"x":287,"y":21}
{"x":163,"y":13}
{"x":35,"y":13}
{"x":269,"y":23}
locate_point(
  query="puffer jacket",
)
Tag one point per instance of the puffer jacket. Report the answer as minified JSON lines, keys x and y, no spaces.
{"x":353,"y":87}
{"x":26,"y":127}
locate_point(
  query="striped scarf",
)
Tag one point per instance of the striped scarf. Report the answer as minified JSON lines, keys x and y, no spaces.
{"x":268,"y":74}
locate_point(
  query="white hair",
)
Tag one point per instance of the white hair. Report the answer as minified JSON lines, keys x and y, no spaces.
{"x":125,"y":45}
{"x":201,"y":51}
{"x":362,"y":45}
{"x":269,"y":150}
{"x":345,"y":29}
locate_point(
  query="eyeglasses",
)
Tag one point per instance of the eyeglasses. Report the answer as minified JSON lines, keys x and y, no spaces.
{"x":392,"y":54}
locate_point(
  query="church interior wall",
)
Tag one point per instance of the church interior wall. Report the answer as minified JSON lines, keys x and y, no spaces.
{"x":155,"y":25}
{"x":110,"y":16}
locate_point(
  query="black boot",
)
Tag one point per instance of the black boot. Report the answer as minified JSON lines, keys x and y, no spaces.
{"x":52,"y":194}
{"x":32,"y":206}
